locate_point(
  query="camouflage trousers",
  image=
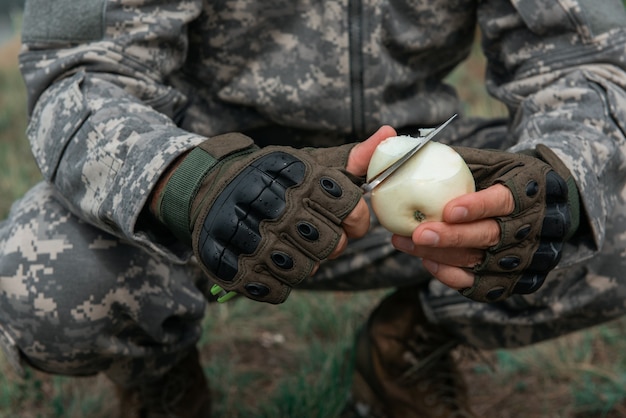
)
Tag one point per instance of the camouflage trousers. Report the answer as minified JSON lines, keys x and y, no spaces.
{"x":77,"y":301}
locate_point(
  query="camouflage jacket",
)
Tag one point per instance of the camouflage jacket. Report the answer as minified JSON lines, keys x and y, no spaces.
{"x":119,"y":88}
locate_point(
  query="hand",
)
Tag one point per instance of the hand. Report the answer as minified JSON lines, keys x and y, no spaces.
{"x":450,"y":249}
{"x":260,"y":220}
{"x":505,"y":238}
{"x":357,"y":223}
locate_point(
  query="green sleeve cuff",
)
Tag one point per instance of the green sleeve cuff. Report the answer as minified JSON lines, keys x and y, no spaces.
{"x":174,"y":205}
{"x":574,"y":203}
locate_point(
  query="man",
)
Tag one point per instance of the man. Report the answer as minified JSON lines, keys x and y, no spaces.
{"x":165,"y":129}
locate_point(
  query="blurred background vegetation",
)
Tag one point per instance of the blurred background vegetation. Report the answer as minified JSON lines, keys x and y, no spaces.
{"x":290,"y":360}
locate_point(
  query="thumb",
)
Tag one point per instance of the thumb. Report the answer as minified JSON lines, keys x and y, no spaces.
{"x":360,"y":155}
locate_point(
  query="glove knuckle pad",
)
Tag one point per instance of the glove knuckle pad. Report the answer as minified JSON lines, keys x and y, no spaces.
{"x":516,"y":230}
{"x":546,"y":256}
{"x":281,"y":260}
{"x":313,"y":235}
{"x":232,"y":225}
{"x":333,"y":195}
{"x":331,"y":187}
{"x":556,"y":221}
{"x":308,"y":231}
{"x":556,"y":188}
{"x":529,"y":283}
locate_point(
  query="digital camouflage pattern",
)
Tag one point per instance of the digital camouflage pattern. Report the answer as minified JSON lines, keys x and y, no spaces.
{"x":82,"y":301}
{"x":89,"y":283}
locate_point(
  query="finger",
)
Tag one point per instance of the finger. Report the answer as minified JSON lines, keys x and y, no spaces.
{"x":496,"y":200}
{"x":315,"y":268}
{"x":361,"y":154}
{"x":357,"y":223}
{"x":479,"y":234}
{"x":341,"y":246}
{"x":453,"y":277}
{"x":465,"y":258}
{"x":461,"y":257}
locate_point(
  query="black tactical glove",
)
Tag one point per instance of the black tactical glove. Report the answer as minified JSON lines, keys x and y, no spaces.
{"x":259,"y":219}
{"x":546,"y":214}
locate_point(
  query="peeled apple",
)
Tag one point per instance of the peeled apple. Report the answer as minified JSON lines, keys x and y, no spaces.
{"x":418,"y":191}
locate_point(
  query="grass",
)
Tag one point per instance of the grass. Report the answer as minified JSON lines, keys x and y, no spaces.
{"x":284,"y":353}
{"x":291,"y":360}
{"x":579,"y":375}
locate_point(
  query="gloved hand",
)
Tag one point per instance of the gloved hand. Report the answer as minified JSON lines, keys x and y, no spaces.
{"x":546,"y":214}
{"x":259,"y":220}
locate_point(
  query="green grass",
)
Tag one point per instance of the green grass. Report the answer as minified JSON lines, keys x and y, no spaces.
{"x":291,"y":360}
{"x":295,"y":354}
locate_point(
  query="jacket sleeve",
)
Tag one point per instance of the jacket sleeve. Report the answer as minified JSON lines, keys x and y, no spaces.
{"x":560,"y":67}
{"x":102,"y":117}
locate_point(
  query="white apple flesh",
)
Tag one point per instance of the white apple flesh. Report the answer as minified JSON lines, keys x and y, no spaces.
{"x":418,"y":191}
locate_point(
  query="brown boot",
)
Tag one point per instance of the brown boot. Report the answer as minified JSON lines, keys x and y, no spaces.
{"x":404,"y":367}
{"x":182,"y":392}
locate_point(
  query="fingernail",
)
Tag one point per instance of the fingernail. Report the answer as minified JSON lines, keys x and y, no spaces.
{"x":431,"y":266}
{"x":458,"y":213}
{"x":403,"y":244}
{"x":429,"y":237}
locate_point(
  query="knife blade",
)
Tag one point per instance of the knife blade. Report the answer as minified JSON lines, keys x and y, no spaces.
{"x":383,"y":175}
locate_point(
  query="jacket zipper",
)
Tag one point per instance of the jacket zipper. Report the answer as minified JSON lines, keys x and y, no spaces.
{"x":355,"y":29}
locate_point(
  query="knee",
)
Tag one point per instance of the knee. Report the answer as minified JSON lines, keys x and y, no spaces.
{"x":75,"y":299}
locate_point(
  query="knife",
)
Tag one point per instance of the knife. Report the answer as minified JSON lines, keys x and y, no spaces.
{"x":382,"y":176}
